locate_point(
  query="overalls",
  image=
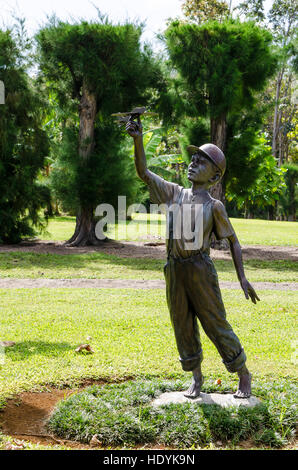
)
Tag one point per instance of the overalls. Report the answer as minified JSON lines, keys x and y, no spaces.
{"x":193,"y":293}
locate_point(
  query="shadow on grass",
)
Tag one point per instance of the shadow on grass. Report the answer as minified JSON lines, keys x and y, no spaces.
{"x":73,"y":261}
{"x":22,"y":350}
{"x":81,"y":261}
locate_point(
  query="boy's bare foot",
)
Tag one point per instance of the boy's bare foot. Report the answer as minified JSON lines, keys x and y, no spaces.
{"x":244,"y":387}
{"x":195,"y":388}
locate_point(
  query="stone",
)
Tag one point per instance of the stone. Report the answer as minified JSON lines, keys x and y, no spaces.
{"x":221,"y":399}
{"x":94,"y":441}
{"x":7,"y":344}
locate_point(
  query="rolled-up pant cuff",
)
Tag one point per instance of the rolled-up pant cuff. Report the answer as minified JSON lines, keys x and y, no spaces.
{"x":192,"y":362}
{"x":237,"y":363}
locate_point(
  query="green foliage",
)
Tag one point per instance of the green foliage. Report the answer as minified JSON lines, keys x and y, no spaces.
{"x":221,"y":68}
{"x":253,"y":9}
{"x":268,"y":185}
{"x":23,"y":144}
{"x":204,"y":10}
{"x":280,"y":122}
{"x":107,"y":57}
{"x":289,"y":196}
{"x":120,"y":414}
{"x":223,"y":63}
{"x":283,"y":17}
{"x":157,"y":160}
{"x":195,"y":131}
{"x":107,"y":173}
{"x":109,"y":60}
{"x":244,"y":163}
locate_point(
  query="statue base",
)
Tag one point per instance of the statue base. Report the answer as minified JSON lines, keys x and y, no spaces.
{"x":221,"y":399}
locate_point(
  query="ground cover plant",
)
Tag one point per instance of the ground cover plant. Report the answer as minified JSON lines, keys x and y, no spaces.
{"x":249,"y":231}
{"x":121,"y":414}
{"x":105,"y":266}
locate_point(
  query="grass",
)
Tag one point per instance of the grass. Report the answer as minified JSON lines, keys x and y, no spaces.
{"x":103,"y":266}
{"x":59,"y":228}
{"x":121,"y":414}
{"x":131,"y":336}
{"x":249,"y":231}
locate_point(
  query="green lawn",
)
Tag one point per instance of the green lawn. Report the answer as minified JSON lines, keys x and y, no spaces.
{"x":100,"y":265}
{"x":131,"y":336}
{"x":250,"y":232}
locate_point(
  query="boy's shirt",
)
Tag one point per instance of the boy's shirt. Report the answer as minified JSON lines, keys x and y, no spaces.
{"x":198,"y":213}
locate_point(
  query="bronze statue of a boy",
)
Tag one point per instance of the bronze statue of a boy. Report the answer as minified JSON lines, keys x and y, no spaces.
{"x":191,"y":280}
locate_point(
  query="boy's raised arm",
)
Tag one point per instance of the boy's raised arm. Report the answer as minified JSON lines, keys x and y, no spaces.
{"x":161,"y":191}
{"x":135,"y":129}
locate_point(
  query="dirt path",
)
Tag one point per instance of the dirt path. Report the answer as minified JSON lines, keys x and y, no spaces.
{"x":151,"y":249}
{"x":12,"y":283}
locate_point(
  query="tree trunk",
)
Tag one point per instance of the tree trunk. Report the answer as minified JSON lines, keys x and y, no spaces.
{"x":85,"y":223}
{"x":280,"y":149}
{"x":85,"y":229}
{"x":276,"y":113}
{"x":219,"y":137}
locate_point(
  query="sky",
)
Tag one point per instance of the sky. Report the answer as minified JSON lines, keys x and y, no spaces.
{"x":153,"y":12}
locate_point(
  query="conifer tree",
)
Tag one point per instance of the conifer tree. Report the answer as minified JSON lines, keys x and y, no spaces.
{"x":102,"y":69}
{"x":23,"y":144}
{"x":223,"y":65}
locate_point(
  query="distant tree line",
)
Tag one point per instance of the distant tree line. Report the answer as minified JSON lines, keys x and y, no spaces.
{"x":227,"y":77}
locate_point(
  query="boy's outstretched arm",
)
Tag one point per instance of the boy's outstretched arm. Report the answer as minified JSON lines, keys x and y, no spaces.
{"x":161,"y":191}
{"x":237,"y":259}
{"x":135,"y":129}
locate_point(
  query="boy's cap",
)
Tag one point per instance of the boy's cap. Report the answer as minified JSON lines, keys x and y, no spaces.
{"x":213,"y":153}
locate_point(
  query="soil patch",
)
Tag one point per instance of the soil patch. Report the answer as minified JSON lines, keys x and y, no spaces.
{"x":24,"y":417}
{"x":150,"y":249}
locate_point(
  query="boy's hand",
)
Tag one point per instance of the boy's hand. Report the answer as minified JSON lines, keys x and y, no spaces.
{"x":134,"y":128}
{"x":249,"y":291}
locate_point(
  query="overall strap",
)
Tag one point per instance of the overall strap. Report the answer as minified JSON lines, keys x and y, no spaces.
{"x":171,"y":227}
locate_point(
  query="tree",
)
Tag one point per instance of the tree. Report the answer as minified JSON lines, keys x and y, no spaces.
{"x":268,"y":186}
{"x":282,"y":20}
{"x":23,"y":143}
{"x":101,"y":69}
{"x":289,"y":197}
{"x":253,"y":9}
{"x":205,"y":10}
{"x":224,"y":65}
